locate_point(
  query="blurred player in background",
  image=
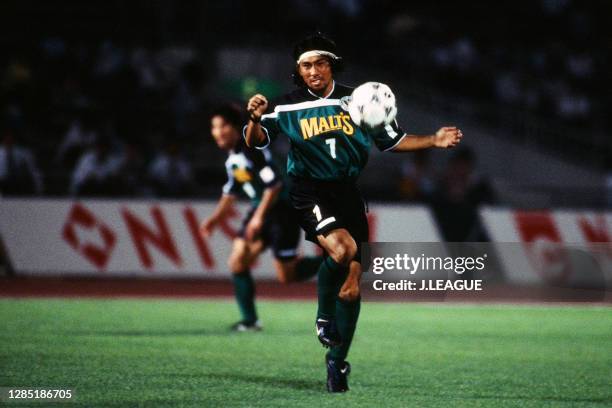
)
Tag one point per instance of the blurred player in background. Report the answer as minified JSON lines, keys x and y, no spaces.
{"x":270,"y":222}
{"x":328,"y":151}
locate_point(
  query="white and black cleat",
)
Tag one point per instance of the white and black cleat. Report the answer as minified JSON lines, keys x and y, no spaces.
{"x":327,"y":332}
{"x":337,"y":375}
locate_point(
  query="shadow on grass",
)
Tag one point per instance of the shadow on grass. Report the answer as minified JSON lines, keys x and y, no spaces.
{"x":267,"y":381}
{"x":157,"y":333}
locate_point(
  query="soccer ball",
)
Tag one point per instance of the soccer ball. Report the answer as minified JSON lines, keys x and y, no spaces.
{"x":372,"y":105}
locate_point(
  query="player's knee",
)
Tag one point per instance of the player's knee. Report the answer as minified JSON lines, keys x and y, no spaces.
{"x":344,"y":251}
{"x":237,"y":264}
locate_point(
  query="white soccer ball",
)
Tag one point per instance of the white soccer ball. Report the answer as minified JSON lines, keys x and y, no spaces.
{"x":372,"y":105}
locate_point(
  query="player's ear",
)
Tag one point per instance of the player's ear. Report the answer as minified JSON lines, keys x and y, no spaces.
{"x":297,"y":78}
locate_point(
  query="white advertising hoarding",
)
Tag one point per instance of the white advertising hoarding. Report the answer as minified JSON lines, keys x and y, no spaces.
{"x":558,"y":247}
{"x":152,"y":239}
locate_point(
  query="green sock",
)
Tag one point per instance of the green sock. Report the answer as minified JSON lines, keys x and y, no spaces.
{"x":331,"y":276}
{"x":244,"y":288}
{"x":307,"y":267}
{"x":347,"y":314}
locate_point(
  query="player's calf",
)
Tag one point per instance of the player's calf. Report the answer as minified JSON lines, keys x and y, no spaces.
{"x":238,"y":261}
{"x":297,"y":269}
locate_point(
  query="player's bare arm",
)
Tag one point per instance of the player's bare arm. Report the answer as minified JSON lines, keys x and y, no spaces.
{"x":257,"y":106}
{"x":445,"y":137}
{"x":257,"y":221}
{"x":209,"y":224}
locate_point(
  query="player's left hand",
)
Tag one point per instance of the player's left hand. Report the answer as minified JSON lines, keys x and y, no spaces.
{"x":448,"y":136}
{"x":253,"y":228}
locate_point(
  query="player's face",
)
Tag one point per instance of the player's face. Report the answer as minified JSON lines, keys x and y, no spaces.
{"x":316,"y":72}
{"x":223,"y":132}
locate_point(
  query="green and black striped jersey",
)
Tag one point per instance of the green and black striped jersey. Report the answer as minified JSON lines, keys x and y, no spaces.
{"x":325,"y":143}
{"x":250,"y":172}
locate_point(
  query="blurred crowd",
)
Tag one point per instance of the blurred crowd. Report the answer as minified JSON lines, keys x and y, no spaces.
{"x":100,"y":120}
{"x":454,"y":193}
{"x":547,"y":57}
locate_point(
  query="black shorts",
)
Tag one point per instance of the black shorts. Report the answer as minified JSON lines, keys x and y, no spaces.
{"x":324,"y":206}
{"x":281,"y":230}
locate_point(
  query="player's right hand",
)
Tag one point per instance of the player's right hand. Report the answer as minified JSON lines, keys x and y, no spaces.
{"x":257,"y":106}
{"x":207,"y":227}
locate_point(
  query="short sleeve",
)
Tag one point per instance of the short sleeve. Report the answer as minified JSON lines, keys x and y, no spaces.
{"x":387,"y":137}
{"x":269,"y":173}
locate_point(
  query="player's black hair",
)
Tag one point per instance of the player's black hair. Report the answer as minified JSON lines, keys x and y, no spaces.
{"x":230,"y":113}
{"x":316,"y":41}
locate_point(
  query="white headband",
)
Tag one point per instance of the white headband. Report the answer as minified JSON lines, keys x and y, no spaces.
{"x":313,"y":53}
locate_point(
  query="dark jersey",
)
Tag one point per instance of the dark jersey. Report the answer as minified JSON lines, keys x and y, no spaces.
{"x":250,"y":172}
{"x":325,"y":143}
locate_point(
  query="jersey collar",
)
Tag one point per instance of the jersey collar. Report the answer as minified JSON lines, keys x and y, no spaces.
{"x":323,"y":97}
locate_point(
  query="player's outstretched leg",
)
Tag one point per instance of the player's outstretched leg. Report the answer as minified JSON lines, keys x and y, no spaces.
{"x":244,"y":286}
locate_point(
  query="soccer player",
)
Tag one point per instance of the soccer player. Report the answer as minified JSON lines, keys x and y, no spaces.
{"x":271,"y":222}
{"x":328,"y":151}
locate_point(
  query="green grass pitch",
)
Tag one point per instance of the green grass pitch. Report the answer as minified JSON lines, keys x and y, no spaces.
{"x":117,"y":353}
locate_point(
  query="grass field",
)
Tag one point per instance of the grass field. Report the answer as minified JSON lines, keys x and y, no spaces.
{"x":179,"y":353}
